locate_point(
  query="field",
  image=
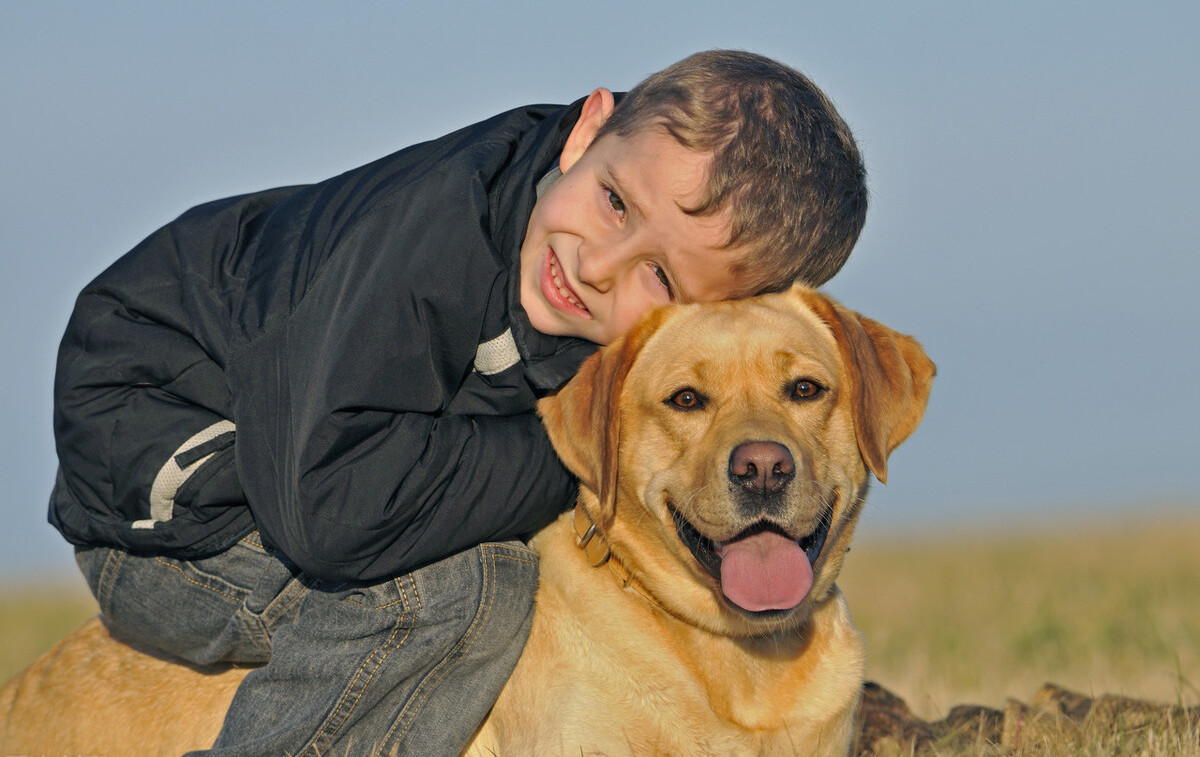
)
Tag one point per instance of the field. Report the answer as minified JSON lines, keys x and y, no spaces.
{"x":1111,"y":608}
{"x":32,"y":619}
{"x":989,"y":617}
{"x":977,"y":617}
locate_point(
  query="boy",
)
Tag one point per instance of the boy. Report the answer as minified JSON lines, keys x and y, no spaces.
{"x":375,"y":344}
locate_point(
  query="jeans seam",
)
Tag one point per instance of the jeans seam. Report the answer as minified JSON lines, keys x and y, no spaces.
{"x":403,"y":594}
{"x":328,"y":731}
{"x":293,"y":591}
{"x":429,"y":682}
{"x":508,"y":554}
{"x":255,"y":630}
{"x":393,"y":603}
{"x":416,"y":594}
{"x":259,"y":625}
{"x":108,"y":576}
{"x":191,"y":580}
{"x":253,"y":540}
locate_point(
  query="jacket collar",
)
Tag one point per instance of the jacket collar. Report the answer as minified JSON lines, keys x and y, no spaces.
{"x":550,"y":361}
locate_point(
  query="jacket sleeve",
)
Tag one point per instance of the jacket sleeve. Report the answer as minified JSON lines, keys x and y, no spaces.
{"x":360,"y":322}
{"x":368,"y":494}
{"x":140,"y":390}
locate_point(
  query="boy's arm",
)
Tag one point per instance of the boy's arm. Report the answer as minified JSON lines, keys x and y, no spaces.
{"x":374,"y":494}
{"x":140,"y":373}
{"x":349,"y":462}
{"x":363,"y":310}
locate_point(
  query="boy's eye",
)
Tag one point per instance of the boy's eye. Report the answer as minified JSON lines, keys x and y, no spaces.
{"x":616,"y":203}
{"x":662,"y":279}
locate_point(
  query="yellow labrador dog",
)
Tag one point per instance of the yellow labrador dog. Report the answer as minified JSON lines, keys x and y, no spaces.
{"x":687,"y":606}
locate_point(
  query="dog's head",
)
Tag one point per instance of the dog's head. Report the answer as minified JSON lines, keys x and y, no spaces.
{"x":724,"y":449}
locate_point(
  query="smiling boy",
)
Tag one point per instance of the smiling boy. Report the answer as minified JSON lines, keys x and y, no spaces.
{"x":612,"y":237}
{"x":296,"y":427}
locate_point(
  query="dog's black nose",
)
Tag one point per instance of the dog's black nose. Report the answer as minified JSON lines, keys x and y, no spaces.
{"x":761,"y":467}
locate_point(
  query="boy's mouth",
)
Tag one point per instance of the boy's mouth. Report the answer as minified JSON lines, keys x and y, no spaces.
{"x":557,"y":291}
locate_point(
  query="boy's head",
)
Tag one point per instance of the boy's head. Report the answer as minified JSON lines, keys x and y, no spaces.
{"x":725,"y":175}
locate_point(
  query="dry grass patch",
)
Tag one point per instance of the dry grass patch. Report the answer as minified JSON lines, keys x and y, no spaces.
{"x":1109,"y":608}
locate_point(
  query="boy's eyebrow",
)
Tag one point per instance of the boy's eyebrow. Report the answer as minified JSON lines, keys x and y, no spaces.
{"x":622,"y":190}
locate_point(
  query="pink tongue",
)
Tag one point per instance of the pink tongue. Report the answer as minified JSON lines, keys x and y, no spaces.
{"x":766,"y":571}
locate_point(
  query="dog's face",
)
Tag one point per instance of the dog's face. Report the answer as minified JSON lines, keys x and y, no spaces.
{"x":724,"y":449}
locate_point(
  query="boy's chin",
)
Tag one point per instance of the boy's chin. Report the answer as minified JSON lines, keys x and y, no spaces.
{"x":547,"y":319}
{"x":564,"y":326}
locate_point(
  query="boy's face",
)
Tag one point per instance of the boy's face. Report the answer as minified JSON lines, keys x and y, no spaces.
{"x":610,"y":239}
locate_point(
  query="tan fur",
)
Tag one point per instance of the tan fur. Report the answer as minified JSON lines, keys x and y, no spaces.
{"x":608,"y":669}
{"x":93,"y":695}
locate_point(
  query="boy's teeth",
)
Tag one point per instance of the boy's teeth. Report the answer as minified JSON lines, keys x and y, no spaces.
{"x":556,"y":275}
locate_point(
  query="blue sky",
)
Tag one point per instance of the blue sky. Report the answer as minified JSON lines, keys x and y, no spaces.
{"x":1033,"y":169}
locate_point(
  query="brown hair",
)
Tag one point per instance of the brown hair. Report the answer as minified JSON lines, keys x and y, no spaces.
{"x":784,"y":161}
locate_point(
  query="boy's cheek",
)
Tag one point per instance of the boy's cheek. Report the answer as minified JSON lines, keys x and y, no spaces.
{"x":625,"y":320}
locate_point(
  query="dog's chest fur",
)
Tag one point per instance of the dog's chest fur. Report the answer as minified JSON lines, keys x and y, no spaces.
{"x":605,"y":672}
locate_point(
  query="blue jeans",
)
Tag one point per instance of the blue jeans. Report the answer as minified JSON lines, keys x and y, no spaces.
{"x":407,"y":666}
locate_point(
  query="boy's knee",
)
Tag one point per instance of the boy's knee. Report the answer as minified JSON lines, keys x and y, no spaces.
{"x":190,"y":609}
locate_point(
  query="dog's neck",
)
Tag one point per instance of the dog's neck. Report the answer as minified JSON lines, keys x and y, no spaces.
{"x":590,"y":539}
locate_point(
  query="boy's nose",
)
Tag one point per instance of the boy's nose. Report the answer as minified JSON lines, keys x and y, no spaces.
{"x":601,"y":264}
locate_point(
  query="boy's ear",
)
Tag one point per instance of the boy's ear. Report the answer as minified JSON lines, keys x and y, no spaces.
{"x":596,"y":109}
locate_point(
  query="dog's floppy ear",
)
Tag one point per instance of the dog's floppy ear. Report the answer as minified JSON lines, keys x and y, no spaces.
{"x":889,"y":376}
{"x":584,"y":419}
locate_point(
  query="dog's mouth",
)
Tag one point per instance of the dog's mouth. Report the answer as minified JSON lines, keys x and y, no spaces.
{"x":762,"y":569}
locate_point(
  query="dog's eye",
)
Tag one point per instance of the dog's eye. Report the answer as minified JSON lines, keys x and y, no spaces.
{"x":805,"y":389}
{"x":686,"y":399}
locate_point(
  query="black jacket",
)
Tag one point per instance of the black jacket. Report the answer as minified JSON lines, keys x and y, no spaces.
{"x":335,"y":365}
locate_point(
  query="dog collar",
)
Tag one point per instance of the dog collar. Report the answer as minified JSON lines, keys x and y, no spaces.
{"x":594,"y":545}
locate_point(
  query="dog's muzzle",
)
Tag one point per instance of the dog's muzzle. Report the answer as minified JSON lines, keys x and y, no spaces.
{"x":762,"y":569}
